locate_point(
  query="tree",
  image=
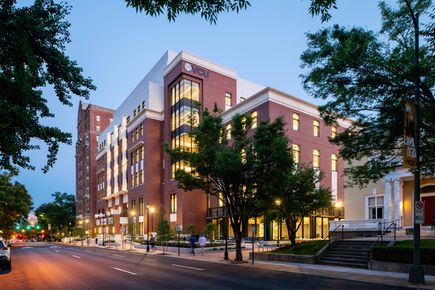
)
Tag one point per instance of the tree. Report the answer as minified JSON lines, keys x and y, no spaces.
{"x":367,"y":77}
{"x":209,"y":10}
{"x":15,"y":202}
{"x":301,"y":197}
{"x":226,"y":165}
{"x":164,"y":232}
{"x":32,"y":41}
{"x":60,"y":213}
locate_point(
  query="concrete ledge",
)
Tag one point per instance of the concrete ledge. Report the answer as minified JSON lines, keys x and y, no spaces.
{"x":398,"y":267}
{"x":284,"y":258}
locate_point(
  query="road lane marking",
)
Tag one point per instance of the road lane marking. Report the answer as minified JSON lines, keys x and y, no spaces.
{"x":57,"y":251}
{"x":125,"y":271}
{"x":187,"y":267}
{"x":77,"y":257}
{"x":116,"y":255}
{"x":27,"y":247}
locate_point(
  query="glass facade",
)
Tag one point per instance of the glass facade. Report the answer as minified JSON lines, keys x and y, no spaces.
{"x":184,"y":114}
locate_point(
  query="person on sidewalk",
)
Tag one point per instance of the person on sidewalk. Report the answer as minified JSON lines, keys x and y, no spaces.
{"x":202,"y":241}
{"x":192,"y":241}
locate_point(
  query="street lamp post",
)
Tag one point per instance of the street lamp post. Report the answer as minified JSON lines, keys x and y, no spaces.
{"x":149,"y":209}
{"x":87,"y":234}
{"x":133,"y":220}
{"x":278,"y":203}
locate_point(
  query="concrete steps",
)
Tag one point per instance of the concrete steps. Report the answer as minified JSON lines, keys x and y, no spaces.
{"x":348,"y":253}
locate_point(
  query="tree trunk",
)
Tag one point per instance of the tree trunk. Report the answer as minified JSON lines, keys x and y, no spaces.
{"x":238,"y":234}
{"x":291,"y":229}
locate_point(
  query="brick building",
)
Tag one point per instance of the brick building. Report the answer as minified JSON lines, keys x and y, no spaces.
{"x":135,"y":177}
{"x":91,"y":121}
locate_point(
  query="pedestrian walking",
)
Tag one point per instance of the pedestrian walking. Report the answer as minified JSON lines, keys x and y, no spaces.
{"x":96,"y":241}
{"x":192,"y":241}
{"x":202,"y":241}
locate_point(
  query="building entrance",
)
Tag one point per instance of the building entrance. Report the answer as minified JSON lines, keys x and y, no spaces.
{"x":429,"y":210}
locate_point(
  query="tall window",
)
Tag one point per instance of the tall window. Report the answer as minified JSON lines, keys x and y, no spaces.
{"x":141,"y":129}
{"x":228,"y":101}
{"x":296,"y":150}
{"x":376,"y":207}
{"x":316,"y":128}
{"x":173,"y":203}
{"x":184,"y":115}
{"x":133,"y":205}
{"x":221,"y":199}
{"x":228,"y":132}
{"x":98,"y":128}
{"x":98,"y":118}
{"x":141,"y":206}
{"x":316,"y":158}
{"x":333,"y":132}
{"x":296,"y":122}
{"x":333,"y":162}
{"x":254,"y":120}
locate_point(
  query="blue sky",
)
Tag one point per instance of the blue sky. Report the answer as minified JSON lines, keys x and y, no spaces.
{"x":116,"y":47}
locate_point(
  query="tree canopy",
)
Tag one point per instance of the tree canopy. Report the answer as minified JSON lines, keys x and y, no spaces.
{"x":367,"y":77}
{"x":60,"y":213}
{"x":210,"y":10}
{"x":301,"y":196}
{"x":32,"y":56}
{"x":230,"y":163}
{"x":15,"y":202}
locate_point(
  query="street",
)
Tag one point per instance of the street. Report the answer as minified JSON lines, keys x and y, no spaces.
{"x":63,"y":267}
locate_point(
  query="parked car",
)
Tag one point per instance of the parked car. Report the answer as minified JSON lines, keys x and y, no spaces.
{"x":5,"y":255}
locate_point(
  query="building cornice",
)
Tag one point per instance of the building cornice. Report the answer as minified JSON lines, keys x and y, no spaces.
{"x":144,"y":114}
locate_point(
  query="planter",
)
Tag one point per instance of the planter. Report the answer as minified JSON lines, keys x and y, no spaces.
{"x":398,"y":267}
{"x":307,"y":259}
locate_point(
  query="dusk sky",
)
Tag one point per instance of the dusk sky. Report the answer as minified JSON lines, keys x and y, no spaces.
{"x":116,"y":47}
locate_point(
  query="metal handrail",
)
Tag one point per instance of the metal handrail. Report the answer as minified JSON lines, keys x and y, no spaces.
{"x":329,"y":239}
{"x":395,"y":222}
{"x":381,"y":237}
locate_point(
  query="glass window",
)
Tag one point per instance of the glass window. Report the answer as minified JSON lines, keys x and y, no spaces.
{"x":221,"y":199}
{"x":141,"y":130}
{"x":296,"y":122}
{"x":228,"y":132}
{"x":316,"y":158}
{"x":228,"y":101}
{"x":376,"y":207}
{"x":254,"y":120}
{"x":98,"y":128}
{"x":316,"y":128}
{"x":333,"y":162}
{"x":296,"y":150}
{"x":98,"y":118}
{"x":141,"y":206}
{"x":173,"y":203}
{"x":333,"y":132}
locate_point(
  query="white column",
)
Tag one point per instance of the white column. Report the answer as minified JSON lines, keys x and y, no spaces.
{"x":398,"y":199}
{"x":387,"y":200}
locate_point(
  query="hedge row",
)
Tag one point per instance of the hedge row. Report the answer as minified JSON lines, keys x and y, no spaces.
{"x":403,"y":255}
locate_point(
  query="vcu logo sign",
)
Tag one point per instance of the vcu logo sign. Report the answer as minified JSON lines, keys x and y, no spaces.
{"x":196,"y":70}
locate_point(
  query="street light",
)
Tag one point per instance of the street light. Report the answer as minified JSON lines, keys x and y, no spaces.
{"x":87,"y":233}
{"x":278,"y":203}
{"x":149,"y":209}
{"x":133,"y":216}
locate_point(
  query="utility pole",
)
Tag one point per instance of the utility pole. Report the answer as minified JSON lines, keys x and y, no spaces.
{"x":416,"y":272}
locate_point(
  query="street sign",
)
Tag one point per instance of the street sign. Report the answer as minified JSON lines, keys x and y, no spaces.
{"x":178,"y":228}
{"x":419,"y":212}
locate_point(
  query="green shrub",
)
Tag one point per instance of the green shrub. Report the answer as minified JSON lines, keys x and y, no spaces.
{"x":400,"y":254}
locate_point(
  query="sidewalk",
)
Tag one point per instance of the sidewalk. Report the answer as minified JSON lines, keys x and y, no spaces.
{"x":387,"y":278}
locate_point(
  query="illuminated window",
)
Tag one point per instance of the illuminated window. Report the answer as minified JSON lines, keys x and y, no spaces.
{"x":173,"y":203}
{"x":221,"y":199}
{"x":254,"y":120}
{"x":98,"y":128}
{"x":316,"y":128}
{"x":98,"y":118}
{"x":133,"y":205}
{"x":141,"y":206}
{"x":243,"y":155}
{"x":296,"y":150}
{"x":316,"y":158}
{"x":228,"y":101}
{"x":185,"y":96}
{"x":333,"y":132}
{"x":228,"y":132}
{"x":333,"y":162}
{"x":141,"y":130}
{"x":296,"y":122}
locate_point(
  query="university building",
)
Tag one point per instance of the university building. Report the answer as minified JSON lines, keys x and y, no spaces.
{"x":134,"y":176}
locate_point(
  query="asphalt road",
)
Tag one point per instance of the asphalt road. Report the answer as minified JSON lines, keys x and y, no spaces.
{"x":61,"y":267}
